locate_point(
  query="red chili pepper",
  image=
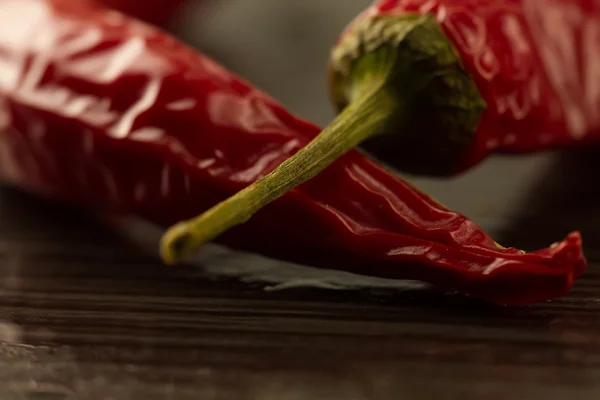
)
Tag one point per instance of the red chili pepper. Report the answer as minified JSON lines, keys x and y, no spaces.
{"x":157,"y":12}
{"x":104,"y":111}
{"x":532,"y":62}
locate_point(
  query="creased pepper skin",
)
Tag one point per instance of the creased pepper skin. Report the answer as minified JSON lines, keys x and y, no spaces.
{"x":110,"y":113}
{"x":533,"y":62}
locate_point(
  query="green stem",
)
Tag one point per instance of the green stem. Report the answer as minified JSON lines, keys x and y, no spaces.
{"x":404,"y":97}
{"x":364,"y":118}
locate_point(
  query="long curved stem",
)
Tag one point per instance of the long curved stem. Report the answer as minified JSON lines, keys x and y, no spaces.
{"x":362,"y":119}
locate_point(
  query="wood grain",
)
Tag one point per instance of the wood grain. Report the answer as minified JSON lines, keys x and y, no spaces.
{"x":85,"y":315}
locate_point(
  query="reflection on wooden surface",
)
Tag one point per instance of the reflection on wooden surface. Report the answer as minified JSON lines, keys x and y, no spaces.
{"x":86,"y":315}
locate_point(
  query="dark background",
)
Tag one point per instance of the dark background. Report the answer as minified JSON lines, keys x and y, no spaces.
{"x":87,"y":314}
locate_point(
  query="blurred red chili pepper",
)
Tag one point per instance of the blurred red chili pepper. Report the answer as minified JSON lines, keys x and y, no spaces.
{"x":533,"y":63}
{"x":157,"y":12}
{"x":106,"y":112}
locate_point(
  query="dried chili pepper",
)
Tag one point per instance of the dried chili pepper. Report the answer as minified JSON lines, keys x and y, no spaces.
{"x":157,"y":12}
{"x":532,"y":62}
{"x":106,"y":112}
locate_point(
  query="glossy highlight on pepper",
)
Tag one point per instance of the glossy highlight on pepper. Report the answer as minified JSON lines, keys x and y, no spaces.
{"x":106,"y":112}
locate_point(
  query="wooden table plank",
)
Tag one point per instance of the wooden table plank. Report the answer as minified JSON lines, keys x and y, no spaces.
{"x":86,"y":315}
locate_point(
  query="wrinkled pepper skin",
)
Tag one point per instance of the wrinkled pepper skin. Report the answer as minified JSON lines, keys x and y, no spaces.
{"x":105,"y":112}
{"x":534,"y":62}
{"x":157,"y":12}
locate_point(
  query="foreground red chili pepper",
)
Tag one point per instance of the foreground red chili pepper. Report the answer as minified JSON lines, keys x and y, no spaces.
{"x":533,"y":63}
{"x":106,"y":112}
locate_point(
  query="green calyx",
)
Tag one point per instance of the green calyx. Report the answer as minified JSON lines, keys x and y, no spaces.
{"x":438,"y":104}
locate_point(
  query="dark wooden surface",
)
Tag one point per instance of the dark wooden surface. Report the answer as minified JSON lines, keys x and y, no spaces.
{"x":86,"y":315}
